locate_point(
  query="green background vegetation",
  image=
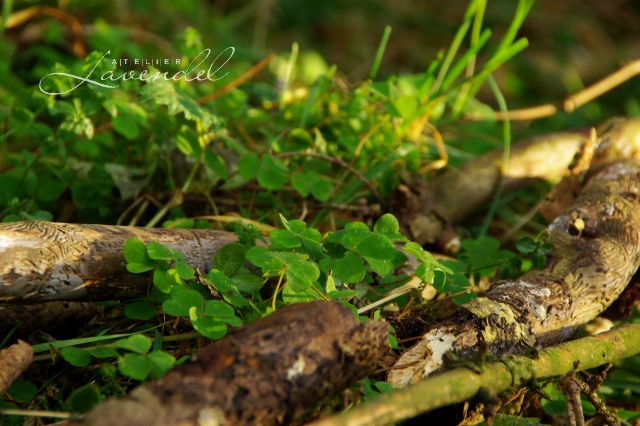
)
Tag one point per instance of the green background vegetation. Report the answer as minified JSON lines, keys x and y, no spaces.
{"x":316,"y":145}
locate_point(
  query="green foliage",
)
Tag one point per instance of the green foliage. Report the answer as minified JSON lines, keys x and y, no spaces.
{"x":22,"y":391}
{"x":295,"y":141}
{"x":84,"y":398}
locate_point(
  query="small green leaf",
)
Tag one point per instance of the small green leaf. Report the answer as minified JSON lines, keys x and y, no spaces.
{"x":301,"y":183}
{"x":138,"y":268}
{"x":349,"y":269}
{"x":322,"y":188}
{"x":187,"y":142}
{"x":264,"y":259}
{"x":76,"y":356}
{"x":136,"y":343}
{"x":388,"y":226}
{"x":140,"y":310}
{"x":273,"y":173}
{"x":229,"y":258}
{"x":290,"y":295}
{"x":161,"y":362}
{"x":526,"y":245}
{"x":103,"y":352}
{"x":283,"y":238}
{"x":134,"y":366}
{"x":157,"y":251}
{"x":135,"y":254}
{"x":182,"y":299}
{"x":248,"y":166}
{"x":22,"y":391}
{"x":223,"y":312}
{"x":207,"y":325}
{"x":126,"y":126}
{"x":330,"y":285}
{"x":185,"y":271}
{"x":425,"y":273}
{"x":379,"y":252}
{"x":84,"y":399}
{"x":465,"y":298}
{"x":216,"y":164}
{"x":163,"y":280}
{"x":301,"y":274}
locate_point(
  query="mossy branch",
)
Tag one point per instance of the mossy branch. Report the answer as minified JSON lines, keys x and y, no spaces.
{"x":461,"y":384}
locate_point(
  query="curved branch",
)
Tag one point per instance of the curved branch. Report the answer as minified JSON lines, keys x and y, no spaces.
{"x":596,"y":251}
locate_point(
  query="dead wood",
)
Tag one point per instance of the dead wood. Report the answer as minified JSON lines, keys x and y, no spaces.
{"x":596,"y":251}
{"x":462,"y":384}
{"x":45,"y":261}
{"x":459,"y":192}
{"x":265,"y":373}
{"x":14,"y":360}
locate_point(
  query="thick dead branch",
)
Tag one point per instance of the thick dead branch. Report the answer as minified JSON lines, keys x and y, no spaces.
{"x":461,"y":384}
{"x":596,"y":251}
{"x":14,"y":360}
{"x":456,"y":194}
{"x":44,"y":261}
{"x":263,"y":374}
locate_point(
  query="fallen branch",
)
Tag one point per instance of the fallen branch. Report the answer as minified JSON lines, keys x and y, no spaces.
{"x":265,"y":373}
{"x":45,"y":261}
{"x":459,"y":192}
{"x":461,"y":384}
{"x":596,"y":251}
{"x":14,"y":360}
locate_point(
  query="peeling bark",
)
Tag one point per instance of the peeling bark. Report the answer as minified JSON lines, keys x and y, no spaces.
{"x":596,"y":251}
{"x":263,"y":374}
{"x":45,"y":261}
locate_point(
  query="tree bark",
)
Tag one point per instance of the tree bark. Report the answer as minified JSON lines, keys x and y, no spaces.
{"x":459,"y":192}
{"x":263,"y":374}
{"x":45,"y":261}
{"x":596,"y":251}
{"x":461,"y":384}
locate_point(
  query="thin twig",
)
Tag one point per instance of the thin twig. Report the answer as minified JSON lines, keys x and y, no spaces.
{"x":22,"y":16}
{"x":36,"y":413}
{"x":571,"y":103}
{"x":248,"y":75}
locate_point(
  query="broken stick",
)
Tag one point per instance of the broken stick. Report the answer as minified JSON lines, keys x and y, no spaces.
{"x":45,"y":261}
{"x":266,"y":373}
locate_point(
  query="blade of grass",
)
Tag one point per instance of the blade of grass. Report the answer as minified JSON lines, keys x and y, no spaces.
{"x":479,"y":79}
{"x":455,"y":46}
{"x":471,"y":66}
{"x":380,"y":53}
{"x":7,"y":6}
{"x":506,"y":150}
{"x":58,"y":344}
{"x":468,"y":56}
{"x":506,"y":50}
